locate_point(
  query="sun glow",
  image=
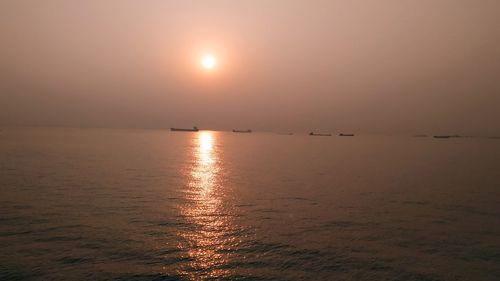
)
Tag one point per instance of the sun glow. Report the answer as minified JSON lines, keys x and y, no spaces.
{"x":208,"y":62}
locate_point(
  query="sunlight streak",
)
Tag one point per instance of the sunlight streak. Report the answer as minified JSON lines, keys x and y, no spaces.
{"x":208,"y":239}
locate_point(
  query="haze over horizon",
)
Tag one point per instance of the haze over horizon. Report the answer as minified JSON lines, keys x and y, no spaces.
{"x":371,"y":66}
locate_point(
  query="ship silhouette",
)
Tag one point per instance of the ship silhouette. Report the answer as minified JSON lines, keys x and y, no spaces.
{"x":194,"y":129}
{"x":320,"y":135}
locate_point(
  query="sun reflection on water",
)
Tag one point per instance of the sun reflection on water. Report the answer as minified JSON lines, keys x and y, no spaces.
{"x":205,"y":168}
{"x":208,"y":237}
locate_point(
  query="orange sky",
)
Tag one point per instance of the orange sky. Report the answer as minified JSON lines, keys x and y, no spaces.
{"x":378,"y":66}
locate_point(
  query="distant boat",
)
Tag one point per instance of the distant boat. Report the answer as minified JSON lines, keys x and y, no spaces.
{"x":194,"y":129}
{"x":242,"y":131}
{"x":346,"y":135}
{"x":447,"y":136}
{"x":320,"y":135}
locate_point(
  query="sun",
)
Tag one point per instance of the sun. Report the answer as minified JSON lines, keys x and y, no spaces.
{"x":208,"y":62}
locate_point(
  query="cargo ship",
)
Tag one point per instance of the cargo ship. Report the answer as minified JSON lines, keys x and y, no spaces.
{"x":320,"y":135}
{"x":194,"y":129}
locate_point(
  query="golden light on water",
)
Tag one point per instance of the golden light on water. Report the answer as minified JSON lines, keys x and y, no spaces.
{"x":205,"y":149}
{"x":205,"y":169}
{"x":205,"y":212}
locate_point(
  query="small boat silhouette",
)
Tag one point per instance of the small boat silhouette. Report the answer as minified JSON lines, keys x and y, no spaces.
{"x":447,"y":136}
{"x":242,"y":131}
{"x":194,"y":129}
{"x":320,"y":135}
{"x":346,"y":135}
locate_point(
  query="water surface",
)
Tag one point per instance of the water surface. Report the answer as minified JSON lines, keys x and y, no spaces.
{"x":154,"y":205}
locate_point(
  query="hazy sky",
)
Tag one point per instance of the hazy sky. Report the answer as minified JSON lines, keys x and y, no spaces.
{"x":374,"y":66}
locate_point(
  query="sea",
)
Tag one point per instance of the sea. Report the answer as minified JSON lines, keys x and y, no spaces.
{"x":126,"y":204}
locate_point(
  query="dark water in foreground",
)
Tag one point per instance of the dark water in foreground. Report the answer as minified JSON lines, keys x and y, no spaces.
{"x":153,"y":205}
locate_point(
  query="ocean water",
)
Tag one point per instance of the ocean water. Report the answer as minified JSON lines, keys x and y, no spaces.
{"x":99,"y":204}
